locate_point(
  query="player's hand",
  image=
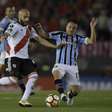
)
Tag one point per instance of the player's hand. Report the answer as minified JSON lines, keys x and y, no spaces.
{"x":41,"y":31}
{"x":63,"y":44}
{"x":2,"y":37}
{"x":93,"y":22}
{"x":38,"y":26}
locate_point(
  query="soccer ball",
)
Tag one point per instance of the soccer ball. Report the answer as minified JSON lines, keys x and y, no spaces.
{"x":52,"y":100}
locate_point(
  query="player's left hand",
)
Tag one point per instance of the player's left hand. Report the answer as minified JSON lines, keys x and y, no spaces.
{"x":61,"y":45}
{"x":2,"y":37}
{"x":93,"y":22}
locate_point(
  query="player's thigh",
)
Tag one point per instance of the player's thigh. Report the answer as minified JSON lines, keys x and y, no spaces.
{"x":28,"y":67}
{"x":58,"y":71}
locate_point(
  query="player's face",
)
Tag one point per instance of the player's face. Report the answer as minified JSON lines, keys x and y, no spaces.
{"x":10,"y":12}
{"x":71,"y":28}
{"x":24,"y":17}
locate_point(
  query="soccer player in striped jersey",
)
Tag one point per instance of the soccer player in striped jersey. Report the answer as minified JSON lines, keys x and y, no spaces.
{"x":66,"y":66}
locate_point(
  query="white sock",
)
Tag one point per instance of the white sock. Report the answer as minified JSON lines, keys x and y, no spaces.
{"x":30,"y":83}
{"x":7,"y":80}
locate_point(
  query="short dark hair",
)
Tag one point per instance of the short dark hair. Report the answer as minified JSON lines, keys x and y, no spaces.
{"x":72,"y":21}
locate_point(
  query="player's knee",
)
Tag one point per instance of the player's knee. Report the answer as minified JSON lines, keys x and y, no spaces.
{"x":13,"y":80}
{"x":7,"y":81}
{"x":56,"y":74}
{"x":33,"y":76}
{"x":75,"y":89}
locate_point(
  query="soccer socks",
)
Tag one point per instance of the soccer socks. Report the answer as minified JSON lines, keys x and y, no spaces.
{"x":7,"y":80}
{"x":60,"y":89}
{"x":59,"y":86}
{"x":71,"y":94}
{"x":30,"y":83}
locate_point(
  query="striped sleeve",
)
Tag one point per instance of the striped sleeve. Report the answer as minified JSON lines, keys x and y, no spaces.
{"x":54,"y":35}
{"x":82,"y":39}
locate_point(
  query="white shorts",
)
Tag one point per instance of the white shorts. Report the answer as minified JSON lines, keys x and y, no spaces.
{"x":69,"y":73}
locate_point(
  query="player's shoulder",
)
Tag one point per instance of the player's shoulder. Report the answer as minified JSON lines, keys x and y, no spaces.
{"x":13,"y":23}
{"x":5,"y":18}
{"x":79,"y":35}
{"x":57,"y":32}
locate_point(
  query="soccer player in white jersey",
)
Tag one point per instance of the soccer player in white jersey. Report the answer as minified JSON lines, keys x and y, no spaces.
{"x":66,"y":67}
{"x":9,"y":18}
{"x":17,"y":60}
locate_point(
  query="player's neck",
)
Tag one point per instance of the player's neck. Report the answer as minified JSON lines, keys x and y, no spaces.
{"x":22,"y":23}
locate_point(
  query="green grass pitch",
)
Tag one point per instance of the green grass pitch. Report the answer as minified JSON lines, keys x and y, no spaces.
{"x":87,"y":101}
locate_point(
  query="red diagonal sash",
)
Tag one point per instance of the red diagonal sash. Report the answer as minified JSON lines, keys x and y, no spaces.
{"x":23,"y":41}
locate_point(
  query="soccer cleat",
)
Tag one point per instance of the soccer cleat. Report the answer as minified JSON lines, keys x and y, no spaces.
{"x":25,"y":103}
{"x":63,"y":97}
{"x":70,"y":101}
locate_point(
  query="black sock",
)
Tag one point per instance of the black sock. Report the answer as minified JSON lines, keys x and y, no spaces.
{"x":71,"y":94}
{"x":59,"y":85}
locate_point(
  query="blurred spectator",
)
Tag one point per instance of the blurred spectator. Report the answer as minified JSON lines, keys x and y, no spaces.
{"x":103,"y":31}
{"x":110,"y":26}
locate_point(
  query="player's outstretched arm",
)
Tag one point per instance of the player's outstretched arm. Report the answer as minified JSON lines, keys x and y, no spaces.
{"x":92,"y":38}
{"x":41,"y":31}
{"x":48,"y":44}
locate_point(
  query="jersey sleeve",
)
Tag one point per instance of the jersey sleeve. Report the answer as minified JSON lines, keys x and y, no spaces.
{"x":12,"y":29}
{"x":54,"y":35}
{"x":82,"y":39}
{"x":4,"y":24}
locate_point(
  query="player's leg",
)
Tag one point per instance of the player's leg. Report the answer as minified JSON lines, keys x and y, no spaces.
{"x":73,"y":84}
{"x":29,"y":85}
{"x":58,"y":73}
{"x":32,"y":75}
{"x":21,"y":84}
{"x":2,"y":66}
{"x":7,"y":80}
{"x":72,"y":93}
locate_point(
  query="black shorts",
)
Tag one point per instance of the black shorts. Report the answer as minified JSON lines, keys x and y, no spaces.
{"x":19,"y":67}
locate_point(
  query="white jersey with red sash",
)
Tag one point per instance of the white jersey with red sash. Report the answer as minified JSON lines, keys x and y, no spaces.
{"x":19,"y":39}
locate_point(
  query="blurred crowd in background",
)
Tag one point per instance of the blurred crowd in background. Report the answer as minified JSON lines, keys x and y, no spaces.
{"x":53,"y":15}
